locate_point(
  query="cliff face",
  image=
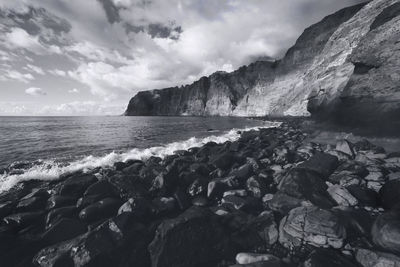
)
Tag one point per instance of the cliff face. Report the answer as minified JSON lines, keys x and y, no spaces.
{"x":348,"y":61}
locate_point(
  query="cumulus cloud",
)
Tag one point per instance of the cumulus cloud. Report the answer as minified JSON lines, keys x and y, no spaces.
{"x":35,"y":91}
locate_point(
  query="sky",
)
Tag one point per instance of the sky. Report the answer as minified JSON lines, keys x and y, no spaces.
{"x":75,"y":57}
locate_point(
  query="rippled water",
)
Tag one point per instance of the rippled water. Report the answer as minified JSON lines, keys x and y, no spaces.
{"x":54,"y":145}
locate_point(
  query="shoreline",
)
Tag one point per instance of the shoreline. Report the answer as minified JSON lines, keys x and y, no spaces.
{"x":214,"y":205}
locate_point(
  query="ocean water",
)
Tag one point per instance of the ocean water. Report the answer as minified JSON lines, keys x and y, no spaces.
{"x":46,"y":147}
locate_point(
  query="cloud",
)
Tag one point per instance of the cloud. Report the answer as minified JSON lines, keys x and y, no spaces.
{"x":73,"y":91}
{"x":19,"y":38}
{"x":35,"y":69}
{"x":58,"y":72}
{"x":13,"y":75}
{"x":35,"y":91}
{"x":78,"y":108}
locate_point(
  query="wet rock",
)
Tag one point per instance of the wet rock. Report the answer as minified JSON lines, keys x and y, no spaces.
{"x":127,"y":187}
{"x":31,"y":204}
{"x":75,"y":185}
{"x":342,"y":196}
{"x":6,"y":208}
{"x":369,"y":258}
{"x":103,"y":246}
{"x":191,"y":239}
{"x":101,"y":188}
{"x":218,"y":186}
{"x":100,"y":210}
{"x":198,"y":187}
{"x":139,"y":207}
{"x":256,"y":186}
{"x":133,"y":167}
{"x":365,"y":196}
{"x":23,"y":219}
{"x":305,"y":184}
{"x":64,"y":229}
{"x":328,"y":258}
{"x":248,"y":258}
{"x":386,"y":231}
{"x":322,"y":164}
{"x":389,"y":194}
{"x":59,"y":213}
{"x":315,"y":226}
{"x":56,"y":201}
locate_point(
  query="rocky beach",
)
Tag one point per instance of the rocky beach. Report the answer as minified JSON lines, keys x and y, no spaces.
{"x":272,"y":198}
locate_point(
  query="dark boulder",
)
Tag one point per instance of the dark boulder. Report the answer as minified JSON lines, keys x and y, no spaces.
{"x":256,"y":186}
{"x":59,"y":213}
{"x":192,"y":239}
{"x":55,"y":201}
{"x":64,"y":229}
{"x":127,"y":187}
{"x":75,"y":185}
{"x":218,"y":186}
{"x":328,"y":258}
{"x":389,"y":194}
{"x":24,"y":219}
{"x":322,"y":164}
{"x":100,"y":210}
{"x":305,"y":184}
{"x":386,"y":231}
{"x":101,"y":188}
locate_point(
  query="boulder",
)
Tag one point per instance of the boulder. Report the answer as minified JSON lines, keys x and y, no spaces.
{"x":31,"y":204}
{"x":389,"y":194}
{"x":191,"y":239}
{"x":59,"y":213}
{"x":305,"y":184}
{"x":164,"y":205}
{"x":322,"y":164}
{"x":369,"y":258}
{"x":139,"y":207}
{"x":328,"y":258}
{"x":312,"y":225}
{"x":100,"y":210}
{"x":223,"y":161}
{"x":101,"y":188}
{"x":75,"y":185}
{"x":56,"y":201}
{"x":64,"y":229}
{"x":24,"y":219}
{"x":386,"y":231}
{"x":6,"y":208}
{"x":107,"y":245}
{"x":365,"y":196}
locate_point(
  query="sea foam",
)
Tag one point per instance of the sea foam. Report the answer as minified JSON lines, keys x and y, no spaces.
{"x":51,"y":169}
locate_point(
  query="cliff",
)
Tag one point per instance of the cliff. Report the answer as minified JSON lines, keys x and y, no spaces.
{"x":348,"y":62}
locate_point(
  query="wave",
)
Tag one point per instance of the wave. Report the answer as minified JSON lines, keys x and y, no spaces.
{"x":51,"y":169}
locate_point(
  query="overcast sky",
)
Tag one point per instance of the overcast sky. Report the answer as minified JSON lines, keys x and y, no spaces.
{"x":89,"y":57}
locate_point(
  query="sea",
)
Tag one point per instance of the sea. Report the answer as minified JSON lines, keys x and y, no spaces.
{"x":43,"y":148}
